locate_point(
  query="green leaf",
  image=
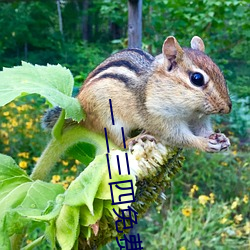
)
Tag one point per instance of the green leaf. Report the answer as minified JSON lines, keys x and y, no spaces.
{"x":53,"y":82}
{"x":20,"y":198}
{"x":67,"y":226}
{"x":9,"y":168}
{"x":4,"y":240}
{"x":6,"y":186}
{"x":83,"y":189}
{"x":50,"y":234}
{"x":86,"y":218}
{"x":86,"y":231}
{"x":39,"y":194}
{"x":51,"y":215}
{"x":83,"y":152}
{"x":14,"y":198}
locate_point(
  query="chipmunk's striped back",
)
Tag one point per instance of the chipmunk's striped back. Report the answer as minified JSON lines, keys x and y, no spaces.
{"x":123,"y":66}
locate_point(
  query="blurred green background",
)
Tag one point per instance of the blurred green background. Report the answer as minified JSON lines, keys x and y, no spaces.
{"x":207,"y":206}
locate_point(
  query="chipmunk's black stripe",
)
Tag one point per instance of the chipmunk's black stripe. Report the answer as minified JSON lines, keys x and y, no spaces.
{"x":118,"y":63}
{"x":142,"y":53}
{"x":118,"y":77}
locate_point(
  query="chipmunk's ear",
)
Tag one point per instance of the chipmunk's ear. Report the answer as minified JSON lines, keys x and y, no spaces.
{"x":171,"y":49}
{"x":197,"y":43}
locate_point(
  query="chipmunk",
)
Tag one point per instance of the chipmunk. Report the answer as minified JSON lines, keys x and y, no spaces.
{"x":170,"y":96}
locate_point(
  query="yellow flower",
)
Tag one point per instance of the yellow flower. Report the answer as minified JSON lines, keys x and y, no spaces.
{"x":187,"y":211}
{"x":238,"y":159}
{"x":65,"y":163}
{"x":73,"y":168}
{"x":223,"y":220}
{"x":211,"y":195}
{"x":4,"y":134}
{"x":235,"y":203}
{"x":203,"y":199}
{"x":70,"y":178}
{"x":12,"y":105}
{"x":6,"y":149}
{"x":6,"y":113}
{"x":77,"y":162}
{"x":224,"y":164}
{"x":238,"y":218}
{"x":23,"y":164}
{"x":182,"y":248}
{"x":234,"y":152}
{"x":23,"y":107}
{"x":245,"y":199}
{"x":6,"y":141}
{"x":14,"y":123}
{"x":197,"y":242}
{"x":193,"y":190}
{"x":35,"y":159}
{"x":247,"y":227}
{"x":24,"y":154}
{"x":29,"y":124}
{"x":55,"y":178}
{"x":223,"y":235}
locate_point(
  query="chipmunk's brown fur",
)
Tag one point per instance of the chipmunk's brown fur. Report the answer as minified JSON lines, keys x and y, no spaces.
{"x":157,"y":96}
{"x":169,"y":96}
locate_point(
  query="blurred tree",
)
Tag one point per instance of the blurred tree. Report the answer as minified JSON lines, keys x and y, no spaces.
{"x":134,"y":23}
{"x":31,"y":31}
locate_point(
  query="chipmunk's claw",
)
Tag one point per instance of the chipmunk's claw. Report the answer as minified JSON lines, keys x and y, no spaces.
{"x":141,"y":139}
{"x":218,"y":142}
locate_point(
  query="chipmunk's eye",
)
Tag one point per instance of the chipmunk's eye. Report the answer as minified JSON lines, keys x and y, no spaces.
{"x":197,"y":79}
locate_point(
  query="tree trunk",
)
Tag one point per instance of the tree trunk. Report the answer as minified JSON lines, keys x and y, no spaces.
{"x":134,"y":23}
{"x":59,"y":16}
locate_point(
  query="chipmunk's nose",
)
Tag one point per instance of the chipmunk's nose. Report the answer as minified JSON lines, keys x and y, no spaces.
{"x":227,"y":108}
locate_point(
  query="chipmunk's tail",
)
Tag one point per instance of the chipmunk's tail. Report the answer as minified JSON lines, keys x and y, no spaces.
{"x":50,"y":117}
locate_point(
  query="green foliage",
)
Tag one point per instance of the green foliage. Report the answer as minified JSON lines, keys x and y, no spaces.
{"x":19,"y":198}
{"x":223,"y":25}
{"x":52,"y":82}
{"x":30,"y":32}
{"x":201,"y":223}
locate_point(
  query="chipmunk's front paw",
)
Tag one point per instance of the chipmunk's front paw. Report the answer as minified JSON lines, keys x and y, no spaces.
{"x":141,"y":139}
{"x":217,"y":142}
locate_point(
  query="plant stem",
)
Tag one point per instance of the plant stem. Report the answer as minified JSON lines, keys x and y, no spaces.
{"x":16,"y":240}
{"x":57,"y":147}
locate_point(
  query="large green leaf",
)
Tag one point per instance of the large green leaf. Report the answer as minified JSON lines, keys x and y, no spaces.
{"x":67,"y":226}
{"x":83,"y":189}
{"x":53,"y":82}
{"x":39,"y":194}
{"x":6,"y":186}
{"x":83,"y":152}
{"x":22,"y":200}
